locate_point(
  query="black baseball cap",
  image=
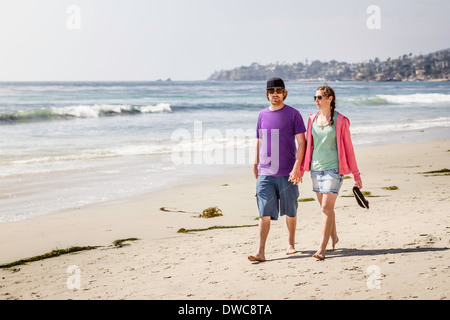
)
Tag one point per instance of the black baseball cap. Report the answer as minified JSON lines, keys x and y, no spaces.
{"x":275,"y":83}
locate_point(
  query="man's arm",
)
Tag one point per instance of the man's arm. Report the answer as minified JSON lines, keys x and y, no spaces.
{"x":256,"y":160}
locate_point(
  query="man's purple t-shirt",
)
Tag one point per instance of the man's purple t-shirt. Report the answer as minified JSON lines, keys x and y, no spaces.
{"x":278,"y":150}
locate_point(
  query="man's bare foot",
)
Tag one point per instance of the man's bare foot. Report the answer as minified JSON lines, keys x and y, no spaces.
{"x":257,"y":258}
{"x":291,"y":250}
{"x":333,"y":243}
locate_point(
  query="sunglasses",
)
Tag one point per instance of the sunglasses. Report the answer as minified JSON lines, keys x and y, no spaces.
{"x":318,"y":97}
{"x":271,"y":91}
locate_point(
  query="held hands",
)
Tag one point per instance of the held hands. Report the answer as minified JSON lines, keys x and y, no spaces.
{"x":359,"y":184}
{"x":295,"y":177}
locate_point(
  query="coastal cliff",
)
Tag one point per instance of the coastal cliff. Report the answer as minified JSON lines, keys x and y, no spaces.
{"x":432,"y":66}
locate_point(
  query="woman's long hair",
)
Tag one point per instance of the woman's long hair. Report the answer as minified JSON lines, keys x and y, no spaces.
{"x":329,"y":92}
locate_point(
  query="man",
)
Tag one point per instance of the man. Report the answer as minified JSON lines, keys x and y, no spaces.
{"x":277,"y":164}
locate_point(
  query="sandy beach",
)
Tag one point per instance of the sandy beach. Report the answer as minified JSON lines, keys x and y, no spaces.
{"x":398,"y":249}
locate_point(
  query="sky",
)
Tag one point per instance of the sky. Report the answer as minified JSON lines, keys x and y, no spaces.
{"x":140,"y":40}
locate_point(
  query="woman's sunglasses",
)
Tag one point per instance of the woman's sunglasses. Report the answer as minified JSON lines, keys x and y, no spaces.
{"x":318,"y":97}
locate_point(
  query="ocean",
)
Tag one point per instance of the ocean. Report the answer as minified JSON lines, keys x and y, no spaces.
{"x":66,"y":145}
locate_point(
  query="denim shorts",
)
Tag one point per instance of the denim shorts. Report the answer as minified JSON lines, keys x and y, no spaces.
{"x":276,"y":196}
{"x":328,"y":181}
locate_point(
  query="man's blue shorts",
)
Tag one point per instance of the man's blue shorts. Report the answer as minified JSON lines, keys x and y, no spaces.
{"x":276,"y":196}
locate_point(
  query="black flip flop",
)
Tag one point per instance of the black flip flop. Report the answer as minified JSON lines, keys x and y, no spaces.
{"x":360,"y":198}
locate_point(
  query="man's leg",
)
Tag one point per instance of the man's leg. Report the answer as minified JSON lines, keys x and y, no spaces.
{"x":289,"y":204}
{"x":267,"y":201}
{"x":264,"y":227}
{"x":291,"y":225}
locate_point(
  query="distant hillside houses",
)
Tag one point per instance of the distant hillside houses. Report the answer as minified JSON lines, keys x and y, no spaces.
{"x":432,"y":66}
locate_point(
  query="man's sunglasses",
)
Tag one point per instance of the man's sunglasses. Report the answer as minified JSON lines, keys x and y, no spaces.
{"x":271,"y":91}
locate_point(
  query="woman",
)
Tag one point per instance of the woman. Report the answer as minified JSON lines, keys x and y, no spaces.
{"x":329,"y":155}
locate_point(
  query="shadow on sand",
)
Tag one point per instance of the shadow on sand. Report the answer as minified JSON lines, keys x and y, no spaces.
{"x":350,"y":252}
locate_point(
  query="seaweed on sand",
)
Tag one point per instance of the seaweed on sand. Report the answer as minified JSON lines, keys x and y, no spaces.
{"x":211,"y":212}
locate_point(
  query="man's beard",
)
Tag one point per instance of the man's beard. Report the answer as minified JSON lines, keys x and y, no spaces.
{"x":277,"y":102}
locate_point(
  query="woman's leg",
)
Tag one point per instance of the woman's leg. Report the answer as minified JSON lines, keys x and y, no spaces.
{"x":333,"y":235}
{"x":327,"y":201}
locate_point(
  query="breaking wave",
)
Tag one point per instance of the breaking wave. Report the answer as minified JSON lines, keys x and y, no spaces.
{"x":388,"y":99}
{"x":82,"y":111}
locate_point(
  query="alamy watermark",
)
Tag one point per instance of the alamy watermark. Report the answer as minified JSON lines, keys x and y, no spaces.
{"x":73,"y":21}
{"x":215,"y":147}
{"x":373,"y":22}
{"x":374,"y":280}
{"x":74,"y":280}
{"x":211,"y":146}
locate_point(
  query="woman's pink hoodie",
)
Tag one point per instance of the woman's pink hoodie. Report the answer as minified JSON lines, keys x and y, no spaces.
{"x":346,"y":154}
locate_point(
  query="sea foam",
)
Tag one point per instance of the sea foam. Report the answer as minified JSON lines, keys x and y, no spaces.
{"x":423,"y":98}
{"x":401,"y":99}
{"x":83,"y":111}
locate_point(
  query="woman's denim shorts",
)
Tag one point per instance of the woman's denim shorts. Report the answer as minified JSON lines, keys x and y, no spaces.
{"x":328,"y":181}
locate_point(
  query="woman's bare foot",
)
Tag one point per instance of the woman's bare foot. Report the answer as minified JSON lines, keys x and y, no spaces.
{"x":320,"y":254}
{"x":291,"y":250}
{"x":333,"y":243}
